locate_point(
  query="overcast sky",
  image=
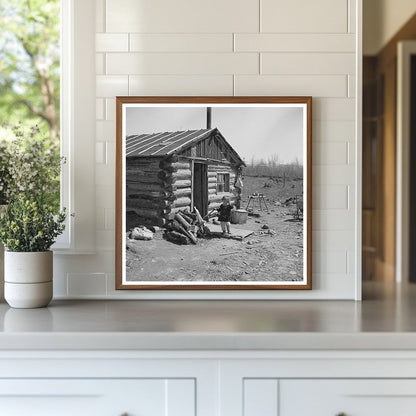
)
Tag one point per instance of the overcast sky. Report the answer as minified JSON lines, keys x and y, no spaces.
{"x":259,"y":132}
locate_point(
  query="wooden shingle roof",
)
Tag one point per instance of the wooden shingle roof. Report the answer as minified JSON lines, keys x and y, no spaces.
{"x":166,"y":143}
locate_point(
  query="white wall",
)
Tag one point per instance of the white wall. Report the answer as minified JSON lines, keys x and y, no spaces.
{"x":233,"y":47}
{"x":381,"y":20}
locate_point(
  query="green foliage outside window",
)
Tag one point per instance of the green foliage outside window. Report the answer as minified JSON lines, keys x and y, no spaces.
{"x":30,"y":81}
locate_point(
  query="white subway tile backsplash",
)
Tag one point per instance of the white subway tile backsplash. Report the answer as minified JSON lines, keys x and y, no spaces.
{"x":186,"y":47}
{"x":100,"y":262}
{"x":105,"y":130}
{"x":105,"y":175}
{"x":294,"y":42}
{"x":313,"y":85}
{"x":110,"y":86}
{"x":99,"y":109}
{"x":182,"y":16}
{"x":330,"y":153}
{"x":352,"y":18}
{"x":307,"y":63}
{"x":111,"y":153}
{"x":181,"y":42}
{"x":329,"y":262}
{"x":300,"y":16}
{"x":100,"y":218}
{"x":100,"y":153}
{"x":330,"y":196}
{"x":105,"y":240}
{"x":105,"y":196}
{"x":333,"y":130}
{"x":333,"y":220}
{"x":109,"y":218}
{"x":60,"y":282}
{"x":181,"y":85}
{"x":351,"y":86}
{"x":99,"y":63}
{"x":112,"y":42}
{"x":350,"y":261}
{"x":86,"y":284}
{"x":337,"y":285}
{"x":333,"y":175}
{"x":351,"y":196}
{"x":182,"y":63}
{"x":100,"y":15}
{"x":111,"y":284}
{"x":329,"y":109}
{"x":326,"y":241}
{"x":110,"y":109}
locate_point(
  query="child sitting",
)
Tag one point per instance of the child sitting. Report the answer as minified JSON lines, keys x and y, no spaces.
{"x":224,"y":216}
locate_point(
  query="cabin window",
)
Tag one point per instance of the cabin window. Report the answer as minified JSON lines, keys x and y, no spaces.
{"x":223,"y":182}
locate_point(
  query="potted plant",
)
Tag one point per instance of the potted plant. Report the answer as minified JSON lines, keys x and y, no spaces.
{"x":28,"y":229}
{"x":32,"y":220}
{"x":5,"y":180}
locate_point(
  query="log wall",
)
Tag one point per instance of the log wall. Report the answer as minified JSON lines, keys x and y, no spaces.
{"x":214,"y":197}
{"x":158,"y":188}
{"x":146,"y":193}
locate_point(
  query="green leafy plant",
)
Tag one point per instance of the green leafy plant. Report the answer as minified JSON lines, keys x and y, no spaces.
{"x":29,"y":163}
{"x":30,"y":225}
{"x":29,"y":184}
{"x":5,"y":176}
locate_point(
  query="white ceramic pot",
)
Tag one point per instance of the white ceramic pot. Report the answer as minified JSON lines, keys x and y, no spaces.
{"x":2,"y":210}
{"x":1,"y":271}
{"x":28,"y":279}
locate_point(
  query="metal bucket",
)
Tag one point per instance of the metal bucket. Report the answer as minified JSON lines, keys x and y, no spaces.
{"x":239,"y":216}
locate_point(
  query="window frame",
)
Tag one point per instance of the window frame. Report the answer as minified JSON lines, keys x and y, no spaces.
{"x":77,"y":104}
{"x":225,"y":183}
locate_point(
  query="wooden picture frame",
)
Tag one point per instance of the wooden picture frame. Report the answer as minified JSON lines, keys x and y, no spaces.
{"x":254,"y":151}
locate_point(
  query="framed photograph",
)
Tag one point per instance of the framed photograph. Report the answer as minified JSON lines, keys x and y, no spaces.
{"x":213,"y":193}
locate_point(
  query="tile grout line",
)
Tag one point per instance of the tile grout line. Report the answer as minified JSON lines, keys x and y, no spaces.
{"x":233,"y":84}
{"x":104,"y":16}
{"x":348,"y":16}
{"x":260,"y":20}
{"x":260,"y":64}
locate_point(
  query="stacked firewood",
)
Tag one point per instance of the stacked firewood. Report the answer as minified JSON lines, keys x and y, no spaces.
{"x":185,"y":227}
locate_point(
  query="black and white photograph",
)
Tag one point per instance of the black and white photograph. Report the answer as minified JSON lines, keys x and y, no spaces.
{"x":214,"y":193}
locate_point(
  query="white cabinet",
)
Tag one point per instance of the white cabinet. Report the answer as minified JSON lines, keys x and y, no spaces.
{"x":319,"y":383}
{"x":349,"y":397}
{"x":113,"y":383}
{"x":207,"y":383}
{"x":97,"y":397}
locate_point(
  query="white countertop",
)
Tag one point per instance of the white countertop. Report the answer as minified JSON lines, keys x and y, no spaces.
{"x":384,"y":320}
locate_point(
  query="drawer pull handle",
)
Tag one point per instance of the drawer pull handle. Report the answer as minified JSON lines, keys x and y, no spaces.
{"x":341,"y":414}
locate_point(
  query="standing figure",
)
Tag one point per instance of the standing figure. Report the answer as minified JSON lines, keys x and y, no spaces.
{"x":224,"y":216}
{"x":238,"y":185}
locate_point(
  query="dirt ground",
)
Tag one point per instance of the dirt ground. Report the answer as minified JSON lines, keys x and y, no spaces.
{"x":269,"y":254}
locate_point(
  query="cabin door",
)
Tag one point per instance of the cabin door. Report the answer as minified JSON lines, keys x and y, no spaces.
{"x":200,"y":188}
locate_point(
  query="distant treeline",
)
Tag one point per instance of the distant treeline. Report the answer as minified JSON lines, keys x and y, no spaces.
{"x":273,"y":168}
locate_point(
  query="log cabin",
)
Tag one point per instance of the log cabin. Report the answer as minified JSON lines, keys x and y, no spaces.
{"x":171,"y":171}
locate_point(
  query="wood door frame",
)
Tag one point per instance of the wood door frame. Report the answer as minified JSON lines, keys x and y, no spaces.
{"x":205,"y":199}
{"x":404,"y":51}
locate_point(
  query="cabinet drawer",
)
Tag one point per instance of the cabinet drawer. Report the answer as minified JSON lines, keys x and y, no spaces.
{"x":86,"y":397}
{"x":348,"y":397}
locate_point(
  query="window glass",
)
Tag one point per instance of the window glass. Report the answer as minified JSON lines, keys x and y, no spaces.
{"x":223,"y":182}
{"x":30,"y":71}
